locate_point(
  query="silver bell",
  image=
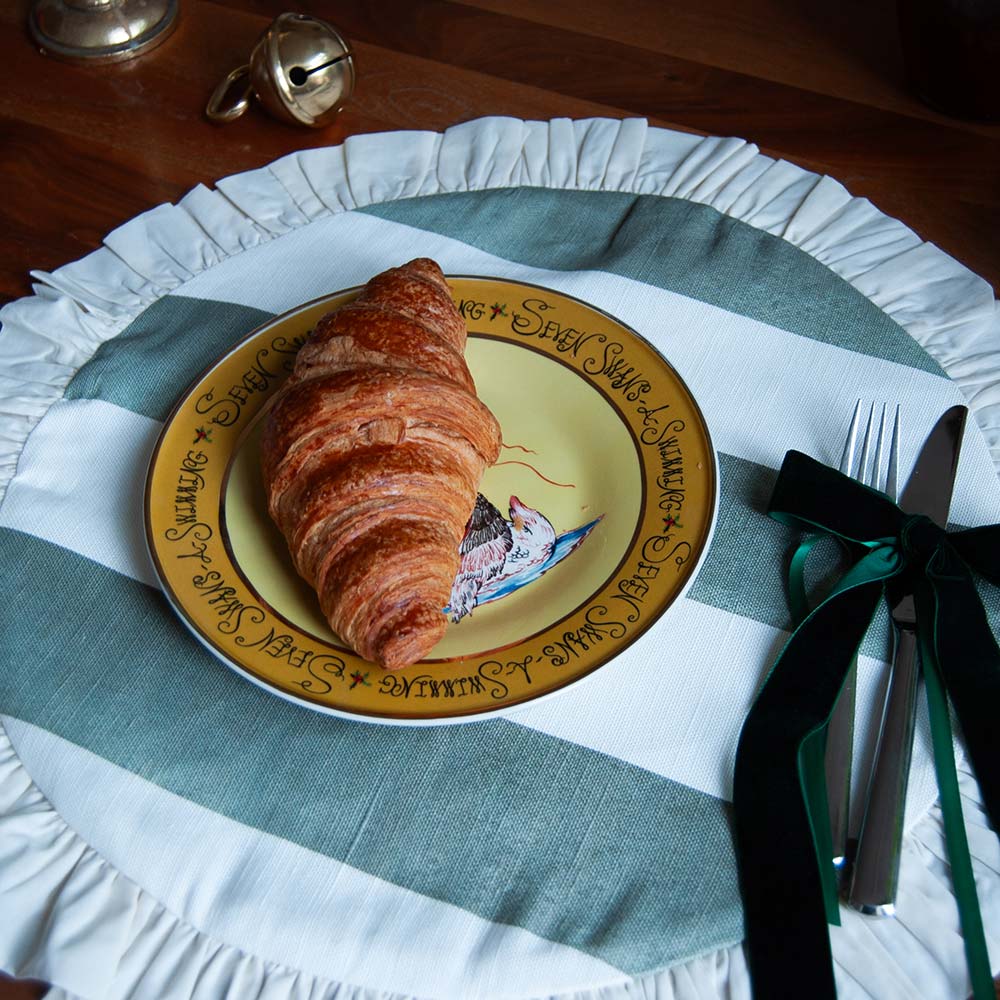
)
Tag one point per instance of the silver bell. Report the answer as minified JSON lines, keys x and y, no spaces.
{"x":301,"y":70}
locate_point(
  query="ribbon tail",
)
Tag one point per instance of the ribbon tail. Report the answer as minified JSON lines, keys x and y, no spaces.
{"x":961,"y":660}
{"x":812,"y":779}
{"x":779,"y":793}
{"x":963,"y":879}
{"x":829,"y":793}
{"x":970,"y":668}
{"x":812,"y":754}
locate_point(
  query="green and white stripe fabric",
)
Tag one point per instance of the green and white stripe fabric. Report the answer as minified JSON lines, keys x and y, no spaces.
{"x":169,"y":830}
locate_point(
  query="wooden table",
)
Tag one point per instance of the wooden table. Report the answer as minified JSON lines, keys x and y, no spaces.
{"x":820,"y":84}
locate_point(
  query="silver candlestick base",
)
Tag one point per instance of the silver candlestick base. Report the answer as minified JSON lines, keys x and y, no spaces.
{"x":101,"y":30}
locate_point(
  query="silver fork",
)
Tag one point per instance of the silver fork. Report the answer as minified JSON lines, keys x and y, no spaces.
{"x":867,"y":469}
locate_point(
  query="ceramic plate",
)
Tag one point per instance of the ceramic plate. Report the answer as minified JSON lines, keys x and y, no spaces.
{"x":607,"y":482}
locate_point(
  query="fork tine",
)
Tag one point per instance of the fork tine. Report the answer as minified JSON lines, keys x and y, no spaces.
{"x":840,"y":734}
{"x":866,"y":444}
{"x":892,"y":473}
{"x":847,"y":459}
{"x":874,"y":476}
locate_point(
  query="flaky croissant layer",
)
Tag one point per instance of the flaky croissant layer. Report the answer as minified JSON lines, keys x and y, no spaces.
{"x":372,"y":456}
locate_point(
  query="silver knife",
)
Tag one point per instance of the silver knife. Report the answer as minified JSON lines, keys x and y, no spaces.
{"x":876,"y":864}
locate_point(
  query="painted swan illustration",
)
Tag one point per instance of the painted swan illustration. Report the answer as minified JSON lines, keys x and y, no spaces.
{"x":501,"y":555}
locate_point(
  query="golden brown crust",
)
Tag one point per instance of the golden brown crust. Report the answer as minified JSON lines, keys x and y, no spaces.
{"x":368,"y":335}
{"x":372,"y":456}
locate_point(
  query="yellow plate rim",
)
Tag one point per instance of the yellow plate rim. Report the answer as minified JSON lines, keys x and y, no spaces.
{"x":457,"y":716}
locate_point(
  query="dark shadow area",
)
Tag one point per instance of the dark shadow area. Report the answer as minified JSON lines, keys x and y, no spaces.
{"x":21,"y":989}
{"x":941,"y":52}
{"x":867,"y":31}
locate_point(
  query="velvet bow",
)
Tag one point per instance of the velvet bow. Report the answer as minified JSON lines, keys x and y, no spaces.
{"x":781,"y":822}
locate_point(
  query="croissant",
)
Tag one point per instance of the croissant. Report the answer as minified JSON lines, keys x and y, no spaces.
{"x":372,"y":456}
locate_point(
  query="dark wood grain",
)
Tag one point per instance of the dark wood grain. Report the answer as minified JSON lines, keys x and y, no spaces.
{"x":85,"y":148}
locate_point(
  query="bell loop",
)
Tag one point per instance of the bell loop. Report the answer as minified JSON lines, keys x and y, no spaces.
{"x":231,"y":97}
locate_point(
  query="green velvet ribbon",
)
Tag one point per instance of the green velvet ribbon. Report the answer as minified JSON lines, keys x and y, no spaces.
{"x":779,"y":795}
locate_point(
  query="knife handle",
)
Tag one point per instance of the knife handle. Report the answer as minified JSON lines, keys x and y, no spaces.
{"x":876,"y":865}
{"x":839,"y":753}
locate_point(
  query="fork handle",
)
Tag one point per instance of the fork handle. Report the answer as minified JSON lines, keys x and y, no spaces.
{"x":839,"y":752}
{"x":876,"y":866}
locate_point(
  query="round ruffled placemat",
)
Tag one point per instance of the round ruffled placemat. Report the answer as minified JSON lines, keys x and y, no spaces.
{"x":166,"y":831}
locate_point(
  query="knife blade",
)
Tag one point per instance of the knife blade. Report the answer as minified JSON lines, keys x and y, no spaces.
{"x":875,"y":876}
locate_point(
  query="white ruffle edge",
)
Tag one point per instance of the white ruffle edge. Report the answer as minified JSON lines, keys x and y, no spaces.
{"x":79,"y":923}
{"x":58,"y":888}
